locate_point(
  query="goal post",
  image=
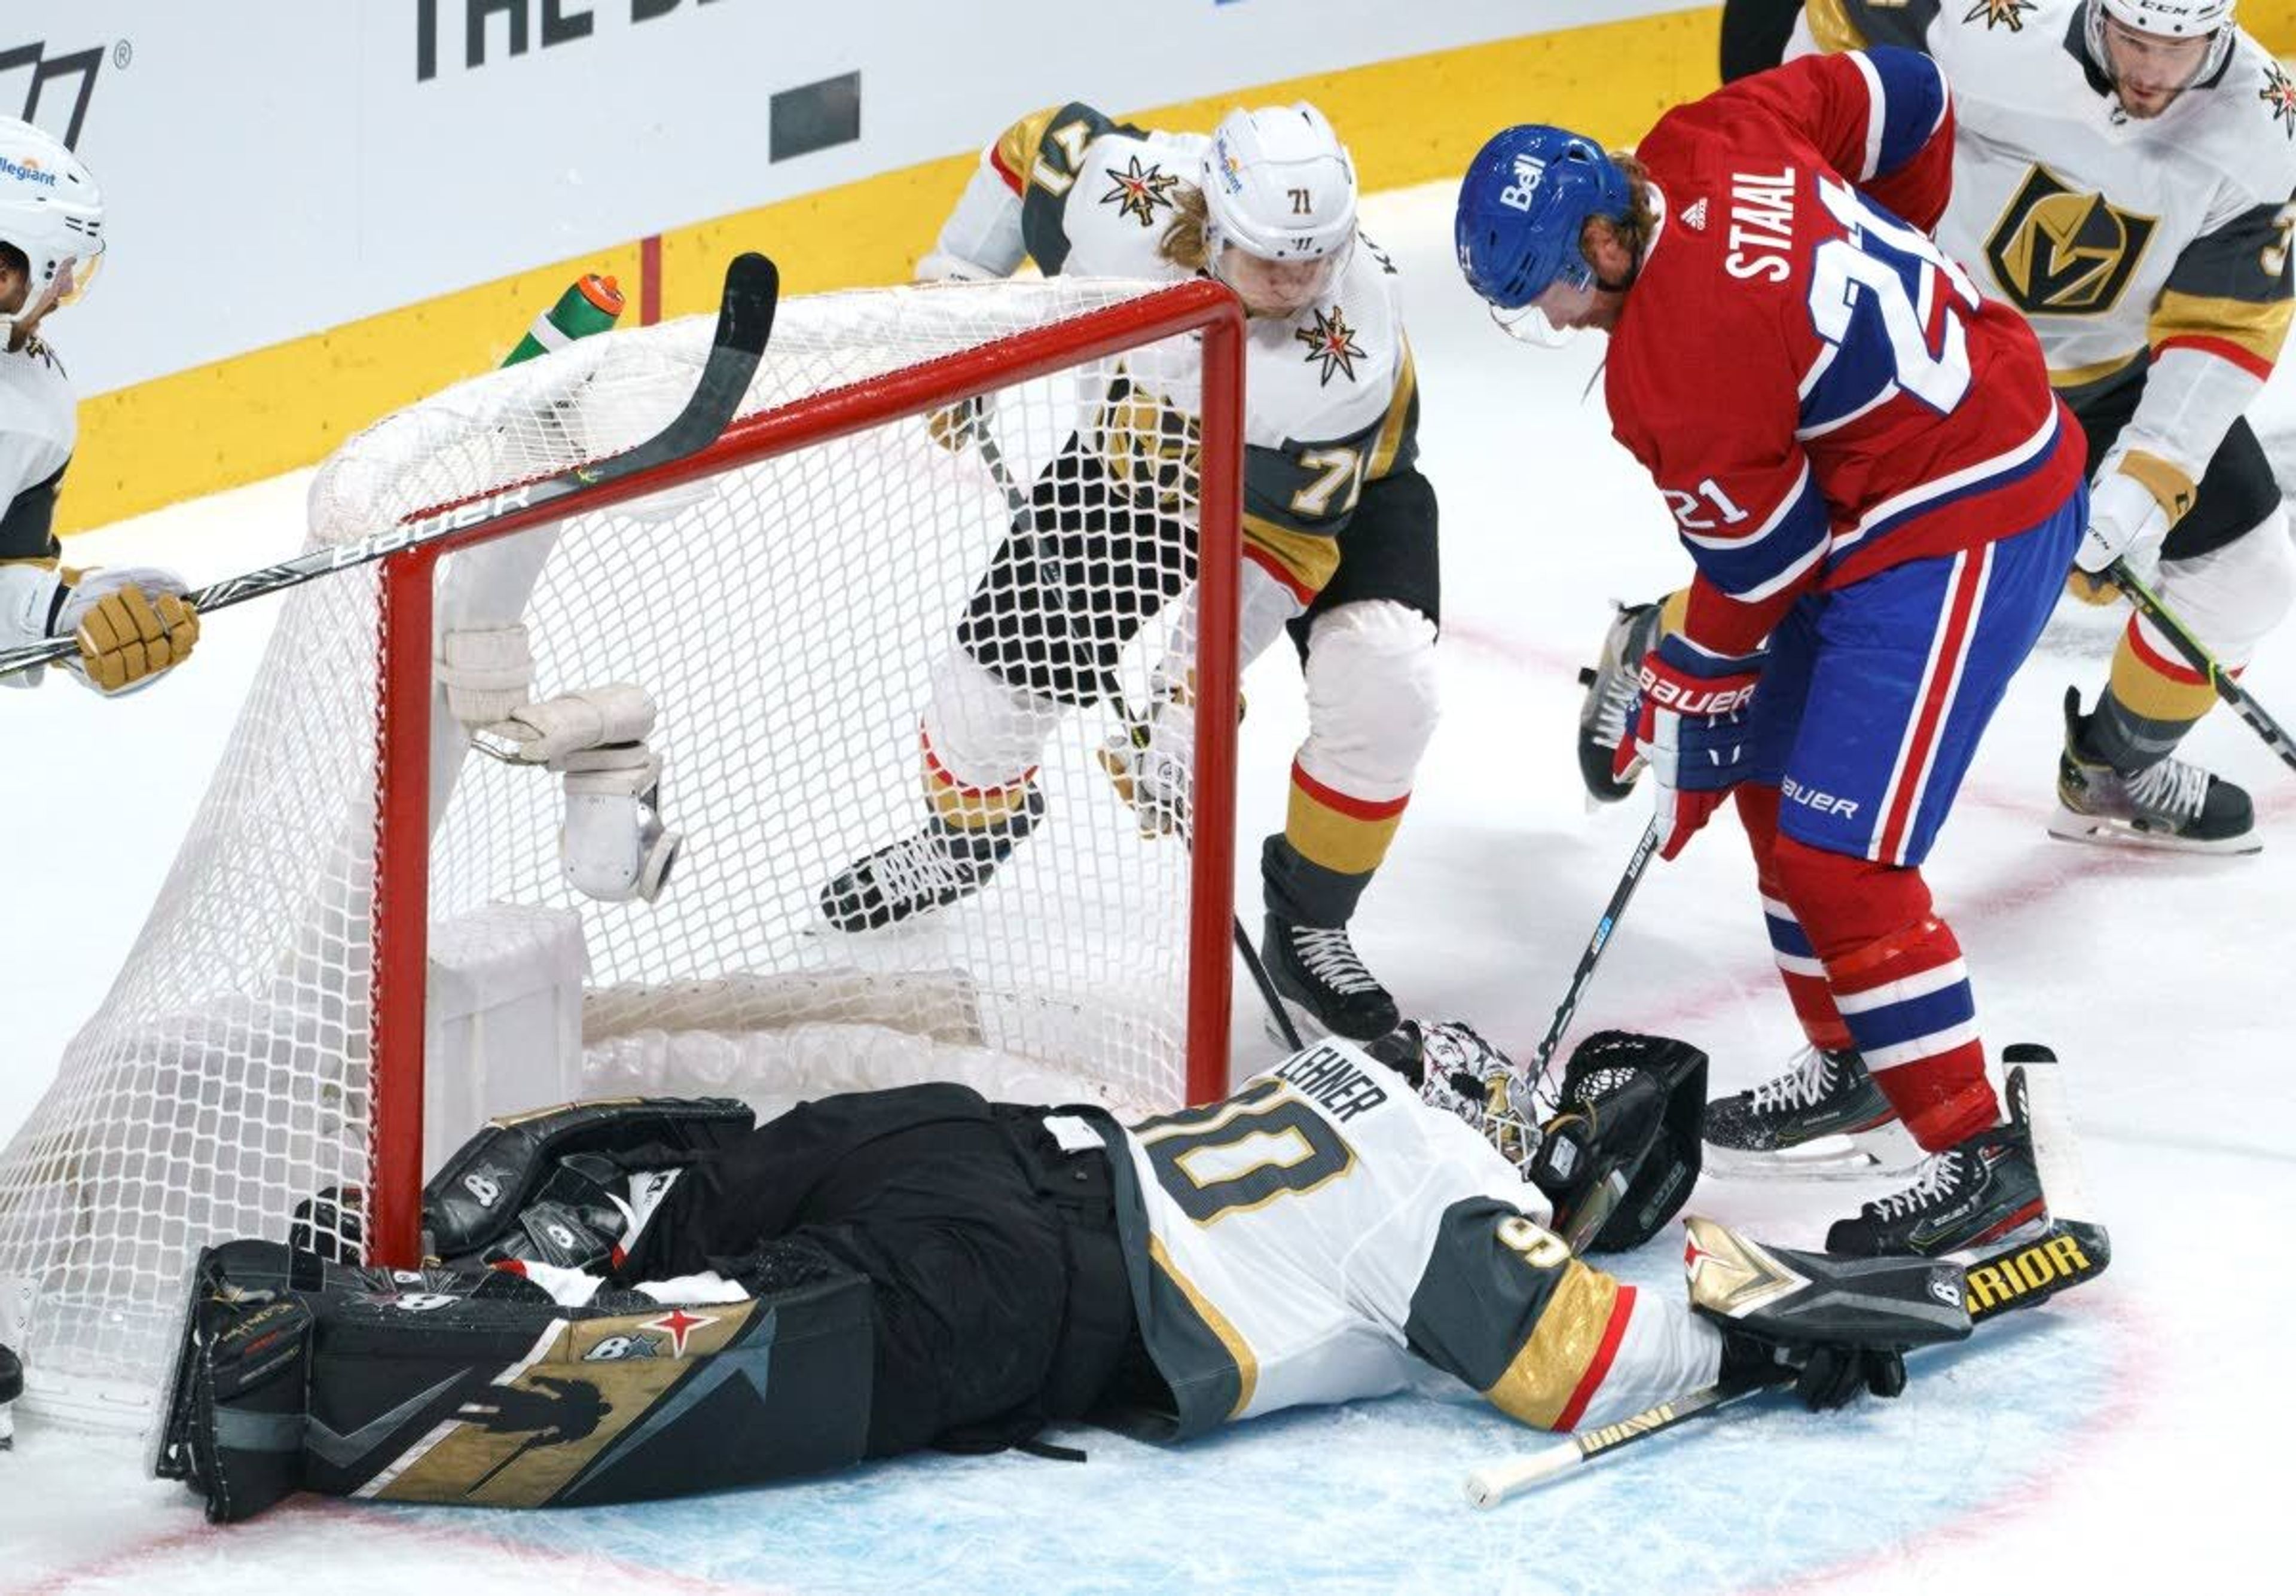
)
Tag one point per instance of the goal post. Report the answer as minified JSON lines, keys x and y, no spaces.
{"x":364,"y":910}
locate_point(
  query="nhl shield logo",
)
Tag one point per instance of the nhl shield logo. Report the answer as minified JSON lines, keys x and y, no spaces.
{"x":2059,"y":251}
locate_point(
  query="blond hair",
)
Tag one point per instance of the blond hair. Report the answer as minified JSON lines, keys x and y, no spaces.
{"x":1184,"y":243}
{"x":1632,"y":231}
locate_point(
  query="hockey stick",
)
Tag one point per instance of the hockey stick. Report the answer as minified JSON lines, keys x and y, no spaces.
{"x":1621,"y":895}
{"x":745,"y":319}
{"x":1024,"y":519}
{"x":2196,"y":655}
{"x":2019,"y":1275}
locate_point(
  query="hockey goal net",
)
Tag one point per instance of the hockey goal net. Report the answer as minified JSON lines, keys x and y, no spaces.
{"x":367,"y":941}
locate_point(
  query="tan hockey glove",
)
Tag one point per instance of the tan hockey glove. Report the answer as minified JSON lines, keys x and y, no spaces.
{"x":129,"y":635}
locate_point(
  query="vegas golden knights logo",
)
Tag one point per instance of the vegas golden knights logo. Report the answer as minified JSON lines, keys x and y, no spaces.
{"x":2059,"y":251}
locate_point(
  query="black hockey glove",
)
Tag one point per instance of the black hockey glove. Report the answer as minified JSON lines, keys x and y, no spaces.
{"x":1825,"y":1377}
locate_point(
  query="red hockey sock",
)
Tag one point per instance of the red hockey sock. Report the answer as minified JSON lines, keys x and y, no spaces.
{"x":1899,"y":981}
{"x":1798,"y":962}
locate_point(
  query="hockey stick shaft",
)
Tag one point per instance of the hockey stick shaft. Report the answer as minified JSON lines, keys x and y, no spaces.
{"x":1621,"y":895}
{"x":745,"y":319}
{"x":1024,"y":518}
{"x":2197,"y":655}
{"x":2022,"y":1275}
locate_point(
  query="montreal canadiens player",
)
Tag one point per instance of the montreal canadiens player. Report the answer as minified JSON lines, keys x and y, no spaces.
{"x":1880,"y":516}
{"x":132,"y":623}
{"x":1340,"y":528}
{"x":2122,"y":177}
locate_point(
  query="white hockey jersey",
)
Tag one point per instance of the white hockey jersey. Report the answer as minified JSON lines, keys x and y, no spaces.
{"x":1331,"y":395}
{"x":2155,"y":247}
{"x":1323,"y":1235}
{"x":39,"y":428}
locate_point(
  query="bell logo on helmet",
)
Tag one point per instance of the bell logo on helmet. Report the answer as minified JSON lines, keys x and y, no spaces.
{"x":1528,"y":170}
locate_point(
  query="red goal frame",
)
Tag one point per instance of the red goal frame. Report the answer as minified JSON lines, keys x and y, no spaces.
{"x":400,"y":946}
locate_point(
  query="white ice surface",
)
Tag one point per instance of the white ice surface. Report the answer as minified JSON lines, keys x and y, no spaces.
{"x":2130,"y":1436}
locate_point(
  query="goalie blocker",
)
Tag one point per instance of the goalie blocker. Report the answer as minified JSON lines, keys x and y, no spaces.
{"x":642,"y":1299}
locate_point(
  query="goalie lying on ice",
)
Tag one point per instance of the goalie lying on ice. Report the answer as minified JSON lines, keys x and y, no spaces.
{"x":641,"y":1299}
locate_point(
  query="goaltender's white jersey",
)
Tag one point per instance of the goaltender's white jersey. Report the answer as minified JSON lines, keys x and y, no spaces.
{"x":2114,"y":235}
{"x":1324,"y":1236}
{"x":39,"y":428}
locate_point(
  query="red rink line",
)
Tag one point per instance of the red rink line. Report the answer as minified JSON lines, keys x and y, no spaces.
{"x":2124,"y":1399}
{"x":141,"y":1566}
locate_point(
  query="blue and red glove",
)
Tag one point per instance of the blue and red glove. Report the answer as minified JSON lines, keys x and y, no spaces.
{"x":1688,"y":724}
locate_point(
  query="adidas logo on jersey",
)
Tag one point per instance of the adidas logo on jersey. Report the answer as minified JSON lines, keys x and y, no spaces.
{"x":1693,"y":217}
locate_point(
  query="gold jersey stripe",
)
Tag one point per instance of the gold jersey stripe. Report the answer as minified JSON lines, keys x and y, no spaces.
{"x":1398,"y":413}
{"x":1539,"y":1383}
{"x":1307,"y":558}
{"x":1830,"y":27}
{"x":1247,"y":1366}
{"x":2081,"y":376}
{"x":2258,"y":329}
{"x":1017,"y":146}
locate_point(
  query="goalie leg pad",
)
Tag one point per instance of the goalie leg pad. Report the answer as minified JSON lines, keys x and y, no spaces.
{"x":473,"y":1388}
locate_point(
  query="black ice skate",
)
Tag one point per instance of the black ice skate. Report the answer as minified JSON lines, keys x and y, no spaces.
{"x":1980,"y":1192}
{"x":12,"y":1386}
{"x":1323,"y":983}
{"x":1611,"y":684}
{"x":1822,"y":1118}
{"x":927,"y":870}
{"x":2170,"y":803}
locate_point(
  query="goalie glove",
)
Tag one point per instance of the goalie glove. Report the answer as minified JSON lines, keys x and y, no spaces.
{"x":1622,"y":1151}
{"x":1830,"y":1327}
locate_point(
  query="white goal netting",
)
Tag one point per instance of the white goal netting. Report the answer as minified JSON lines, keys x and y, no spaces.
{"x":787,"y":615}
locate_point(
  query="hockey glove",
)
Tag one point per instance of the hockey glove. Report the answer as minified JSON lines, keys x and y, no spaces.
{"x":1619,"y":1158}
{"x":2123,"y":514}
{"x":1688,"y":724}
{"x":131,"y":622}
{"x":1148,"y":758}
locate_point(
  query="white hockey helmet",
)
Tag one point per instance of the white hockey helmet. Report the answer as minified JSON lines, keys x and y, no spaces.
{"x":2165,"y":19}
{"x":1278,"y":185}
{"x":49,"y":209}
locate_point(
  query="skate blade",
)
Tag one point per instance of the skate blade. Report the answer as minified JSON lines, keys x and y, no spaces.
{"x":2068,"y":826}
{"x":1878,"y":1154}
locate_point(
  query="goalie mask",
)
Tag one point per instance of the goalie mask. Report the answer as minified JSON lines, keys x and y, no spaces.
{"x":50,"y":210}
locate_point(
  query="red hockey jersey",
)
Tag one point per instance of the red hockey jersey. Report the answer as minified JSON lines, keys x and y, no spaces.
{"x":1819,"y":391}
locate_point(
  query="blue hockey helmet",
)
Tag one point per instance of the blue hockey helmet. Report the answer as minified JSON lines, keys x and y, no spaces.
{"x":1522,"y":204}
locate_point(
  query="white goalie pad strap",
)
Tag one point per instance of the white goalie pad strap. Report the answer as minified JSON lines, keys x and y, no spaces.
{"x":620,"y":770}
{"x":983,"y":731}
{"x":488,"y":673}
{"x":550,"y":732}
{"x":2231,"y":597}
{"x":1372,"y":698}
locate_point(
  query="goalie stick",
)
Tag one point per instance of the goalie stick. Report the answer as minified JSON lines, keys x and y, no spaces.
{"x":745,"y":319}
{"x":2196,"y":655}
{"x":2073,"y":1250}
{"x":1024,"y":519}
